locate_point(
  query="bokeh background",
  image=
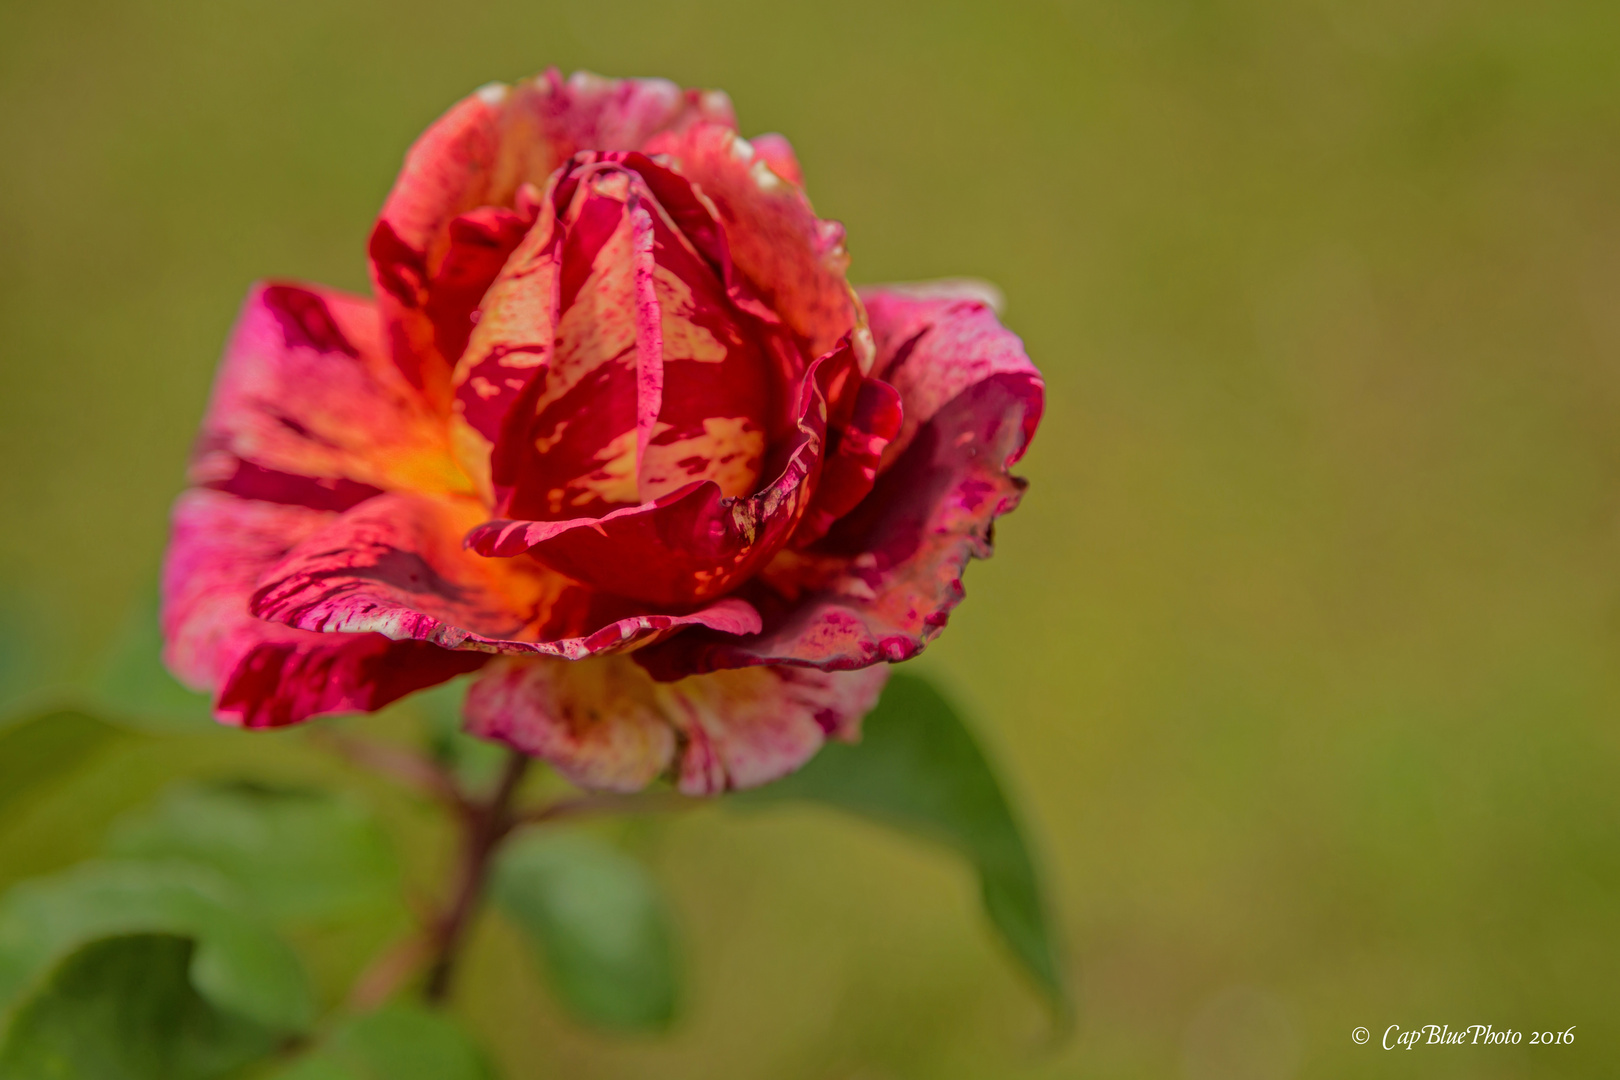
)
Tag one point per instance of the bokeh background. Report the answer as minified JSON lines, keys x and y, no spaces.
{"x":1301,"y":653}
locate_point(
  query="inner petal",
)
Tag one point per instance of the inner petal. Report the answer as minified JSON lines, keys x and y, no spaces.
{"x":583,"y":431}
{"x":711,"y":421}
{"x":654,"y":381}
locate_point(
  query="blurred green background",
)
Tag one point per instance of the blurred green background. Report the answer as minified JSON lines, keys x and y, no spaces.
{"x":1300,"y":653}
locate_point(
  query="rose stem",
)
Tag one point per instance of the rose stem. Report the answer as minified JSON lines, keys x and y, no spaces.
{"x":483,"y":827}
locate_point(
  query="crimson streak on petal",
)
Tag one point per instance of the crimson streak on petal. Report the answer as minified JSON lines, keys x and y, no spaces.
{"x":396,"y":566}
{"x":883,"y":581}
{"x":706,"y":543}
{"x":480,"y":154}
{"x":265,"y":674}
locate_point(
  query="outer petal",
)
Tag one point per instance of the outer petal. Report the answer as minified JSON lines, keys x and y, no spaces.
{"x":596,"y":720}
{"x":265,"y":674}
{"x":794,"y":260}
{"x":936,"y":339}
{"x":778,"y":154}
{"x":481,"y":153}
{"x":694,"y":543}
{"x":307,"y":409}
{"x":746,"y":728}
{"x":395,"y":566}
{"x":604,"y":723}
{"x":884,"y":580}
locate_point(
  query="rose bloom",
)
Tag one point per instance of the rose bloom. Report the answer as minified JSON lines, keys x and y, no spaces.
{"x":616,"y":433}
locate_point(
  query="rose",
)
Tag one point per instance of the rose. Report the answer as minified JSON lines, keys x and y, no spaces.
{"x":616,"y":431}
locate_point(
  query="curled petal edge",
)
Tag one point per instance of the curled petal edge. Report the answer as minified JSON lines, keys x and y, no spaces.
{"x":882,"y":583}
{"x":707,"y":543}
{"x":480,"y":154}
{"x":264,"y":674}
{"x":396,"y":566}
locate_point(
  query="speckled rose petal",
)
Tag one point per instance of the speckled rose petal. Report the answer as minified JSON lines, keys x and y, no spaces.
{"x":883,"y":581}
{"x":705,"y":543}
{"x":604,"y":723}
{"x":308,"y":410}
{"x":264,"y":674}
{"x":481,"y":153}
{"x":395,"y":566}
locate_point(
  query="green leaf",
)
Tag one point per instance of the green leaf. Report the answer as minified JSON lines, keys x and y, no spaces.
{"x":297,"y":854}
{"x":35,"y":752}
{"x":399,"y":1042}
{"x":124,"y":1008}
{"x":133,"y":685}
{"x":240,"y":966}
{"x":408,"y":1043}
{"x":918,"y":768}
{"x":599,"y":924}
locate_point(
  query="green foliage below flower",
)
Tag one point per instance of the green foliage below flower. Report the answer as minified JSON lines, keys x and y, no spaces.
{"x":918,"y":768}
{"x":396,"y":1043}
{"x":240,"y":965}
{"x":599,"y":925}
{"x":126,"y":1008}
{"x":295,"y":854}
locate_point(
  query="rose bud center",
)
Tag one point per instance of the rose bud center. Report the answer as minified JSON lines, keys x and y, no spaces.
{"x":639,"y":376}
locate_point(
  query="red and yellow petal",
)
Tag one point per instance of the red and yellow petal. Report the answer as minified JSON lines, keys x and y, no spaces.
{"x":604,"y":723}
{"x":882,"y":582}
{"x":597,"y":721}
{"x":264,"y":674}
{"x":480,"y":154}
{"x":609,"y":365}
{"x":571,"y":443}
{"x":750,"y":726}
{"x":795,"y":261}
{"x":856,"y":451}
{"x":395,"y":566}
{"x":936,"y":339}
{"x":307,"y":409}
{"x":694,"y":543}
